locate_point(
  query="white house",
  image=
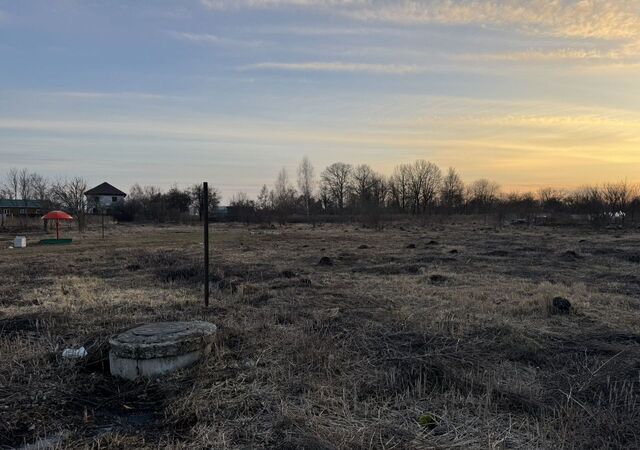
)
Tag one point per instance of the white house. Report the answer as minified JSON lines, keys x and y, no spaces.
{"x":103,"y":197}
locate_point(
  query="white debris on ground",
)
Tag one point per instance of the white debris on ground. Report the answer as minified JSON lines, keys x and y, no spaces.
{"x":74,"y":353}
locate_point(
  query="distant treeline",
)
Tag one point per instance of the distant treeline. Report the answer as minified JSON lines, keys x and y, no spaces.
{"x":422,"y":189}
{"x":343,"y":190}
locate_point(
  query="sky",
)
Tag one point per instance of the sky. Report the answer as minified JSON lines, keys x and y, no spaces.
{"x":529,"y":93}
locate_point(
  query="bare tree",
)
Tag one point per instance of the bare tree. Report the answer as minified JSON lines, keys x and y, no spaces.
{"x":243,"y":208}
{"x":25,"y":190}
{"x":264,"y":199}
{"x":424,"y":180}
{"x":483,"y":193}
{"x":618,"y":196}
{"x":399,"y":186}
{"x":550,"y":198}
{"x":306,"y":182}
{"x":197,"y":199}
{"x":586,"y":200}
{"x":11,"y":184}
{"x":70,"y":195}
{"x":325,"y":197}
{"x":431,"y":186}
{"x":452,"y":190}
{"x":136,"y":192}
{"x":362,"y":181}
{"x":521,"y":203}
{"x":335,"y":183}
{"x":284,"y":195}
{"x":39,"y":187}
{"x":379,"y":190}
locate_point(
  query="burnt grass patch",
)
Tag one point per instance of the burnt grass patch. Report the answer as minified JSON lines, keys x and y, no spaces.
{"x":176,"y":268}
{"x":363,"y":354}
{"x":498,"y":253}
{"x":592,"y":375}
{"x":29,"y":324}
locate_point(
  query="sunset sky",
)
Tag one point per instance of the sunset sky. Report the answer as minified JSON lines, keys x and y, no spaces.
{"x":525,"y":92}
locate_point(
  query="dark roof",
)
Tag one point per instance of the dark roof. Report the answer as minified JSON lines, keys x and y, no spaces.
{"x":20,"y":204}
{"x":105,"y":189}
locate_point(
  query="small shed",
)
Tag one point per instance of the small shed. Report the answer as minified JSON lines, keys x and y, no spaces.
{"x":20,"y":208}
{"x":103,"y":197}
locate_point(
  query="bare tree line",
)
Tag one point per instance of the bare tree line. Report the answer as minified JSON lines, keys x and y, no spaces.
{"x":419,"y":188}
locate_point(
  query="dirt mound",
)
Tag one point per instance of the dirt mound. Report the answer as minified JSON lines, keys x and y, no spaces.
{"x":325,"y":261}
{"x":437,"y":279}
{"x":571,"y":255}
{"x":560,"y":305}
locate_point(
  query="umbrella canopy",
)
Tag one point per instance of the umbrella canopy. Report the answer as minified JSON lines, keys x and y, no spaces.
{"x":57,"y":215}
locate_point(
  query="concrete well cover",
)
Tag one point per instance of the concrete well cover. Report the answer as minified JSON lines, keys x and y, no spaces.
{"x":159,"y":340}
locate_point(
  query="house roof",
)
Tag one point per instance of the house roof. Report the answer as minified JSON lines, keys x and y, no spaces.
{"x":20,"y":204}
{"x":105,"y":189}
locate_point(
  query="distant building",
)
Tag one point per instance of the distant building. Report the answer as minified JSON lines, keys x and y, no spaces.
{"x":103,"y":197}
{"x":221,"y":211}
{"x":21,"y":208}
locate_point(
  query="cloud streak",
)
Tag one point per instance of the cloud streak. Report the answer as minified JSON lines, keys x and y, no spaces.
{"x":561,"y":54}
{"x":211,"y":39}
{"x":314,"y":66}
{"x":90,"y":95}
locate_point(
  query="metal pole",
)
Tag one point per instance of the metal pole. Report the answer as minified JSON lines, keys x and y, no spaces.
{"x":103,"y":224}
{"x":205,"y":212}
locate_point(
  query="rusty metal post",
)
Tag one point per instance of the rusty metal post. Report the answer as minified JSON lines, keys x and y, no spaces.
{"x":205,"y":212}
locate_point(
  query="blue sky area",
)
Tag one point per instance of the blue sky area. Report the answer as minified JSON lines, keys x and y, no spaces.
{"x":528,"y":93}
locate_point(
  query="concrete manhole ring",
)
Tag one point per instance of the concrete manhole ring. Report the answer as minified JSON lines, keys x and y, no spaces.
{"x":158,"y":348}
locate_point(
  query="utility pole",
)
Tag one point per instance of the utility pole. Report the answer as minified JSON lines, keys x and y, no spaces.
{"x":205,"y":216}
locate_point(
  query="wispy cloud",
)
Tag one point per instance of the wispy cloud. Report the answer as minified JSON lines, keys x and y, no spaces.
{"x":226,"y":4}
{"x":212,"y":39}
{"x":314,"y":66}
{"x":327,"y":30}
{"x":609,"y":19}
{"x":573,"y":18}
{"x":113,"y":95}
{"x":544,"y":55}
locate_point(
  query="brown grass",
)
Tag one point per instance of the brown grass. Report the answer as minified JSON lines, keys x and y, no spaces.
{"x":389,"y":347}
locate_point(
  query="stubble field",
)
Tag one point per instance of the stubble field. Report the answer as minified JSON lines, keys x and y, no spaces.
{"x":416,"y":336}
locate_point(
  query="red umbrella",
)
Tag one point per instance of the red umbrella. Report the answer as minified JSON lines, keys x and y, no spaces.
{"x":58,"y":216}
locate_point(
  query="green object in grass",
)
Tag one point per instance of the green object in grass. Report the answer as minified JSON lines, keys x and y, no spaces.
{"x":56,"y":241}
{"x":428,"y":420}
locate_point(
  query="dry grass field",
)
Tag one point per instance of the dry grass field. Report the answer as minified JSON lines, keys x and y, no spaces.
{"x":416,"y":336}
